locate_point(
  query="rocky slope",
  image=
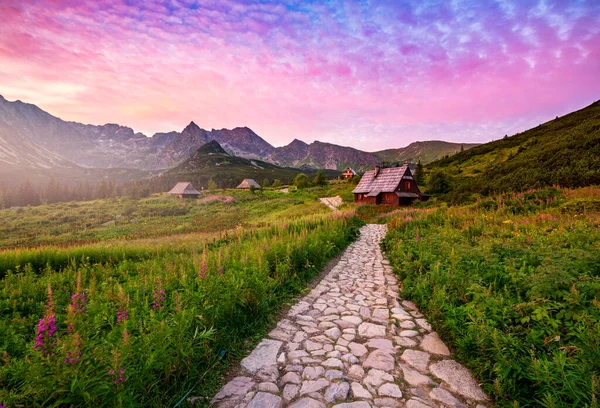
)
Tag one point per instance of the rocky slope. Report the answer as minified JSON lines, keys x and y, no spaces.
{"x":322,"y":156}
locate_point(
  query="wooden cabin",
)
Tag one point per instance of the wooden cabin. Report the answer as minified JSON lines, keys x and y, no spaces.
{"x":247,"y":183}
{"x":392,"y":186}
{"x":348,"y":173}
{"x":184,"y":189}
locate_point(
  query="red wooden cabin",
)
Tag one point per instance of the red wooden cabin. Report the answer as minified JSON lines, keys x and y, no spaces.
{"x":392,"y":186}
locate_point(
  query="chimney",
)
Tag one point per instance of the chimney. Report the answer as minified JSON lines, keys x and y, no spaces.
{"x":377,"y":169}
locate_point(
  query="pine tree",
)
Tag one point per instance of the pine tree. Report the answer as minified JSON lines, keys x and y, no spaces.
{"x":320,"y":179}
{"x":419,"y":174}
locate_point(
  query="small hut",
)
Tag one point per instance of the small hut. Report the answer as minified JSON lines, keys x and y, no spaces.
{"x":392,"y":186}
{"x":184,"y":189}
{"x":247,"y":184}
{"x":348,"y":173}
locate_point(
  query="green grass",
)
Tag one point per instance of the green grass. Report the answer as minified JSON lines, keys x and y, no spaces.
{"x":564,"y":151}
{"x":159,"y":215}
{"x":512,"y":283}
{"x":195,"y":300}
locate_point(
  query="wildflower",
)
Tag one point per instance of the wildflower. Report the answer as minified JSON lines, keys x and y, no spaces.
{"x":122,"y":315}
{"x":78,"y":302}
{"x":202,"y":271}
{"x":46,"y":328}
{"x":507,"y":222}
{"x":220,"y":271}
{"x":119,"y":376}
{"x":159,"y":297}
{"x":417,"y":237}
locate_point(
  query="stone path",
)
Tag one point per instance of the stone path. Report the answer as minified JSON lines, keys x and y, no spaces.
{"x":351,"y":344}
{"x":332,"y":202}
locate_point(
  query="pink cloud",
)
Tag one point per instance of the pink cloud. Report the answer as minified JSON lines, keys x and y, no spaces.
{"x":302,"y":70}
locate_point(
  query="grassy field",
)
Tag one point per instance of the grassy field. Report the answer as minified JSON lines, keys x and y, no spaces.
{"x":139,"y":312}
{"x":512,"y":283}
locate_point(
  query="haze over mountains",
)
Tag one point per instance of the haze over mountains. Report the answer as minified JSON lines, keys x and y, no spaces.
{"x":31,"y":138}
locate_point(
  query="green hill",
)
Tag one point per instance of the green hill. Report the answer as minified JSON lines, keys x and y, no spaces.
{"x":426,"y":152}
{"x":211,"y":161}
{"x":564,"y":151}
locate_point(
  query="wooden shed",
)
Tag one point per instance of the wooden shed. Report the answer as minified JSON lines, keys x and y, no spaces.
{"x":348,"y":173}
{"x":247,"y":183}
{"x":184,"y":189}
{"x":392,"y":186}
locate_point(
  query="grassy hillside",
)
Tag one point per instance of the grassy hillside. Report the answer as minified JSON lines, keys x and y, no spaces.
{"x":425,"y":151}
{"x":511,"y":284}
{"x":564,"y":151}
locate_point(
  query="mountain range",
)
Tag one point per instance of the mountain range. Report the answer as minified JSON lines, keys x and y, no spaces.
{"x":34,"y":140}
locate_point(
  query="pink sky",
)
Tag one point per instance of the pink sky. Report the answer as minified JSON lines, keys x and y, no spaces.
{"x":369,"y":74}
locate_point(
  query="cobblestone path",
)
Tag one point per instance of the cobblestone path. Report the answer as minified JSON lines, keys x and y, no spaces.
{"x":350,"y":343}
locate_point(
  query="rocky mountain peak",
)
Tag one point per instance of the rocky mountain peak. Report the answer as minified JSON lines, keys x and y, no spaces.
{"x":192,"y":127}
{"x":212,"y":147}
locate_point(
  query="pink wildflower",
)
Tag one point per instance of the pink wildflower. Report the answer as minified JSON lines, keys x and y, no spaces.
{"x":220,"y":271}
{"x":202,"y":271}
{"x":46,"y":328}
{"x":78,"y":302}
{"x":159,"y":298}
{"x":122,"y":315}
{"x":118,"y":378}
{"x":417,"y":237}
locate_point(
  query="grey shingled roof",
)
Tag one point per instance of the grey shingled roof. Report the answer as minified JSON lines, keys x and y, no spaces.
{"x":247,"y":183}
{"x":184,"y":187}
{"x":406,"y":194}
{"x":387,"y":181}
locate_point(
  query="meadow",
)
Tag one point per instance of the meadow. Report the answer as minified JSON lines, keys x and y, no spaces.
{"x":147,"y":312}
{"x":512,"y":284}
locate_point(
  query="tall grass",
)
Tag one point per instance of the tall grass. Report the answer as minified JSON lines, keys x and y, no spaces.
{"x":513,"y":284}
{"x":143,"y":330}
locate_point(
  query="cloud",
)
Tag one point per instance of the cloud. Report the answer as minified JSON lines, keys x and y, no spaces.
{"x":372,"y":75}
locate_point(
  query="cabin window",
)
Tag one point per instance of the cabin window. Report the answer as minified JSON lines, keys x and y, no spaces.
{"x":408,"y":185}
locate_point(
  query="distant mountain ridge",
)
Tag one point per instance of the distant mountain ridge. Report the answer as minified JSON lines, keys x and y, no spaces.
{"x":27,"y":130}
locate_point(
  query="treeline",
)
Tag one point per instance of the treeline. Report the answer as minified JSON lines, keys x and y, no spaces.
{"x":54,"y":191}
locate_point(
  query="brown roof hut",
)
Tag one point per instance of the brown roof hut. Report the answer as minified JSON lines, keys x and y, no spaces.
{"x":392,"y":186}
{"x":348,"y":173}
{"x":247,"y":184}
{"x":184,"y":189}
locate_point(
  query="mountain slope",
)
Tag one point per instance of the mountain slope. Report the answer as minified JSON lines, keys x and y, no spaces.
{"x":322,"y":156}
{"x":563,"y":151}
{"x":211,"y":161}
{"x":426,"y":152}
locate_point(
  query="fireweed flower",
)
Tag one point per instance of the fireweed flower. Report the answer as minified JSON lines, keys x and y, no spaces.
{"x":78,"y":302}
{"x":202,"y":270}
{"x":122,"y":315}
{"x":118,"y":377}
{"x":417,"y":237}
{"x":45,"y":329}
{"x":159,"y":298}
{"x":220,"y":271}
